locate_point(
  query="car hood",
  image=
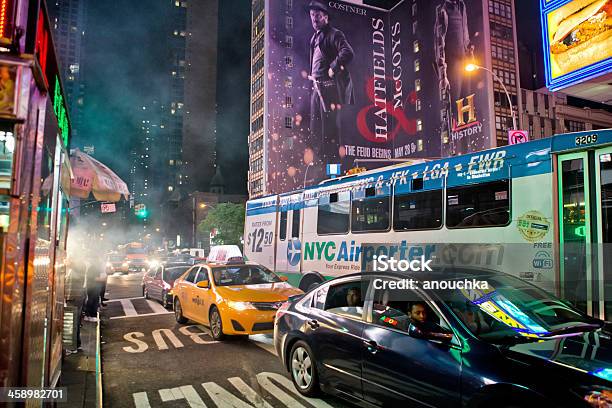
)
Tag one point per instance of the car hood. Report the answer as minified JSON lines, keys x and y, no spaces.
{"x":265,"y":292}
{"x":590,"y":352}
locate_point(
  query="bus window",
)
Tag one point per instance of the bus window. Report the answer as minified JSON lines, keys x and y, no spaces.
{"x":418,"y":211}
{"x":370,"y":214}
{"x":295,"y":224}
{"x":478,"y":205}
{"x":334,"y":213}
{"x":283,"y":225}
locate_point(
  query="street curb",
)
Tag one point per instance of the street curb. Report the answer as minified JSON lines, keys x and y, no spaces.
{"x":99,"y":399}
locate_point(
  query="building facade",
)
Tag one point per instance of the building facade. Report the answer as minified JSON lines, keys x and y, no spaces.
{"x":410,"y":95}
{"x":547,"y":113}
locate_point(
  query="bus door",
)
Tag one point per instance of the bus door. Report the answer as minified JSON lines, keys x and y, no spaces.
{"x":585,"y":229}
{"x":288,"y":248}
{"x":603,"y":197}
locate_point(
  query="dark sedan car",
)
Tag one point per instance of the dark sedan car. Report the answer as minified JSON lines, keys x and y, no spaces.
{"x":366,"y":339}
{"x":158,"y":282}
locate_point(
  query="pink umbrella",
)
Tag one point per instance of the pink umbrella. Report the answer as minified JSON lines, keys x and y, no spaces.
{"x":92,"y":177}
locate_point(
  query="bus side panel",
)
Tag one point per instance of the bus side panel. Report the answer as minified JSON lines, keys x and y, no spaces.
{"x":260,"y":235}
{"x":532,"y":228}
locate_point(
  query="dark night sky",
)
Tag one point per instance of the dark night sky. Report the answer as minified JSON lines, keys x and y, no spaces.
{"x":126,"y":65}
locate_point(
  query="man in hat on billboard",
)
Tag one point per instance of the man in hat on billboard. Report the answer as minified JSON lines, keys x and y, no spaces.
{"x":453,"y":50}
{"x":330,"y":54}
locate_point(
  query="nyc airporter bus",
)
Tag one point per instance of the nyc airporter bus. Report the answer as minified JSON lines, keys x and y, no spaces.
{"x":547,"y":203}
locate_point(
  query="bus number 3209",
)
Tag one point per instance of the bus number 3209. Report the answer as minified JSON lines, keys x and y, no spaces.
{"x":258,"y":239}
{"x":586,"y":139}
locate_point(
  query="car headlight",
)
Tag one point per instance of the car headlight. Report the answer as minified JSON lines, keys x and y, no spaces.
{"x":126,"y":264}
{"x":240,"y":305}
{"x":109,"y":265}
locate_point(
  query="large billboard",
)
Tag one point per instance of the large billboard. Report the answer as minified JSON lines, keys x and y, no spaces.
{"x":577,"y":38}
{"x":355,"y":85}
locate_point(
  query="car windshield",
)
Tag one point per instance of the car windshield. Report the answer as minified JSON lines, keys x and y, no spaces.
{"x":175,"y":272}
{"x":514,"y":310}
{"x":243,"y":275}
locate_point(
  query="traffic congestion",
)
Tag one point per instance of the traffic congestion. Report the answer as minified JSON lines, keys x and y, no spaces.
{"x":306,"y":203}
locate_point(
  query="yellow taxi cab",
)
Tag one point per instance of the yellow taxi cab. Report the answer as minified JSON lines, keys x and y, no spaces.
{"x":232,"y":299}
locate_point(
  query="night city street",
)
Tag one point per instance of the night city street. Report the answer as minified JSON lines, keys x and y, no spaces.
{"x":306,"y":203}
{"x":187,"y":363}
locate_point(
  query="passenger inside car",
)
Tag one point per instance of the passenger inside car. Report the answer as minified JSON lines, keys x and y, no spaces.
{"x":345,"y":300}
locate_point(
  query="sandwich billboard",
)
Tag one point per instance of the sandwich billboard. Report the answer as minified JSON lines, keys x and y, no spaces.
{"x":577,"y":38}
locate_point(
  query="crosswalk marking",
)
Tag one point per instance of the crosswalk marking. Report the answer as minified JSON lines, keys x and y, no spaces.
{"x":264,"y":342}
{"x":156,"y":307}
{"x":140,"y":315}
{"x":128,"y":307}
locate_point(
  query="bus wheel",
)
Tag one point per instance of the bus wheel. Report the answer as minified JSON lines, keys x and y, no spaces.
{"x":309,"y":282}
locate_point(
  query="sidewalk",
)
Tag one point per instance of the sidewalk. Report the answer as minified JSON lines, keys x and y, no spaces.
{"x":79,"y":370}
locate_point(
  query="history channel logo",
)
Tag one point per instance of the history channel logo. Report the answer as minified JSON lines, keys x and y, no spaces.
{"x":294,"y":252}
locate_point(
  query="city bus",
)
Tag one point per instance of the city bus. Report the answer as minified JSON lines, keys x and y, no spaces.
{"x":542,"y":211}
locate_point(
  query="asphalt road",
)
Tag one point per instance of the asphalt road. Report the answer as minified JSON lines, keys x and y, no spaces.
{"x":149,"y":360}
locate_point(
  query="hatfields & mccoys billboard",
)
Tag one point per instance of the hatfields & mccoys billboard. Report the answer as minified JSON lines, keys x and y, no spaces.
{"x":352,"y":85}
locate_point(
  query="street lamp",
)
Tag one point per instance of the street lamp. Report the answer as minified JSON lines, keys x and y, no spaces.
{"x":306,"y":173}
{"x":473,"y":67}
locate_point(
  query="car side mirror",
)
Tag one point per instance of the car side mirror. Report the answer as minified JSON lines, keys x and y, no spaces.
{"x":203,"y":284}
{"x":430,"y":331}
{"x":283,"y":278}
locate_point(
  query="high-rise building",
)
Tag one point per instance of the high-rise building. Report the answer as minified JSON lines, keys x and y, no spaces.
{"x":192,"y":105}
{"x":68,"y":21}
{"x":398,"y":88}
{"x":200,"y":113}
{"x":177,"y":14}
{"x":146,"y":159}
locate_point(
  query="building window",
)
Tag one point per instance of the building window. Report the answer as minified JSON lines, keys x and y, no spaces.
{"x":288,"y":102}
{"x":574,"y":126}
{"x":419,"y":125}
{"x":417,"y":85}
{"x":288,"y":61}
{"x":289,"y":4}
{"x":415,"y":27}
{"x":417,"y":105}
{"x":289,"y":22}
{"x":289,"y":41}
{"x":414,"y":9}
{"x":170,"y":188}
{"x":420,"y":145}
{"x":417,"y":65}
{"x":288,"y":82}
{"x":415,"y":46}
{"x":288,"y":122}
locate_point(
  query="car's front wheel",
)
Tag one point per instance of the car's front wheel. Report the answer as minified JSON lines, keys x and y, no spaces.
{"x":216,"y":324}
{"x":178,"y":312}
{"x":303,"y":369}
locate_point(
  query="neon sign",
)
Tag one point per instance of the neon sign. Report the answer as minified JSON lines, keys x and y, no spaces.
{"x":6,"y":12}
{"x":59,"y":108}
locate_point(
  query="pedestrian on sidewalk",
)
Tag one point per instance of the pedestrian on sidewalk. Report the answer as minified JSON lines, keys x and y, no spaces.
{"x":75,"y":291}
{"x":96,"y":275}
